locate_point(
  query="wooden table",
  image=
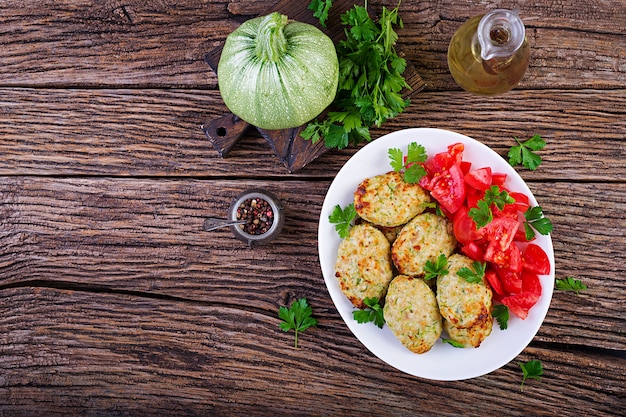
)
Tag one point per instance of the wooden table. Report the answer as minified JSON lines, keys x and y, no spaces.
{"x":115,"y":302}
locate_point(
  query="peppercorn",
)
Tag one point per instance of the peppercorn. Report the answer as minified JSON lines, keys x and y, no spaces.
{"x":259,"y":216}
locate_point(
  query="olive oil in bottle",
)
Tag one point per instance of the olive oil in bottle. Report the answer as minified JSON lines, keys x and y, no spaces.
{"x":489,"y":54}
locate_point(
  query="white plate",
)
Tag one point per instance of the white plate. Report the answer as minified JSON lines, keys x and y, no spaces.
{"x":443,"y":362}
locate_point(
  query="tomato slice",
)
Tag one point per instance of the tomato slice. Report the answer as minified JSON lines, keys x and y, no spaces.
{"x":494,"y":282}
{"x":511,"y":280}
{"x":474,"y":251}
{"x":498,"y":178}
{"x":521,"y":303}
{"x":448,"y":188}
{"x":535,"y":259}
{"x":502,"y":230}
{"x":464,"y":226}
{"x":479,"y":178}
{"x":511,"y":258}
{"x":522,"y":203}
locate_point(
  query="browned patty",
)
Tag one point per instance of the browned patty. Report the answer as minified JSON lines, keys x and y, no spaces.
{"x":386,"y":200}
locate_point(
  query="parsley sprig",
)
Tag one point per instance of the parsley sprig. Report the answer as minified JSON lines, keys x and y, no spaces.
{"x":501,"y":313}
{"x":370,"y":80}
{"x":298,"y":318}
{"x":531,"y":369}
{"x":342,"y":218}
{"x":373,"y":313}
{"x":453,"y":343}
{"x":523,"y":154}
{"x":411,"y":164}
{"x":473,"y":274}
{"x":570,"y":284}
{"x":535,"y":220}
{"x":436,"y":268}
{"x":320,"y":10}
{"x":482,"y":214}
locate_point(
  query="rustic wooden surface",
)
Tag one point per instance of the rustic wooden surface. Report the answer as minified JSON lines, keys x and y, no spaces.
{"x":113,"y":301}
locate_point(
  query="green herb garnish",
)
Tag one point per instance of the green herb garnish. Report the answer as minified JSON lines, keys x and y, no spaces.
{"x":501,"y":314}
{"x":320,"y":10}
{"x":531,"y":369}
{"x":297,"y":318}
{"x":370,"y":79}
{"x":570,"y":284}
{"x":453,"y":343}
{"x":535,"y":220}
{"x":374,"y":313}
{"x":342,"y":218}
{"x":523,"y":153}
{"x":411,"y":165}
{"x":482,"y":214}
{"x":473,"y":274}
{"x":436,"y":268}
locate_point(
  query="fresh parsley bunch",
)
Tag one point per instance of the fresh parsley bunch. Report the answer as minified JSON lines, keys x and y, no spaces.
{"x":370,"y":79}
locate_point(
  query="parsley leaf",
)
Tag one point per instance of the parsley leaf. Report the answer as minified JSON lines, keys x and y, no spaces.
{"x":482,"y":214}
{"x":501,"y":314}
{"x":535,"y":220}
{"x":414,"y":171}
{"x":523,"y":153}
{"x":436,"y":268}
{"x":453,"y":343}
{"x":531,"y":369}
{"x":473,"y":274}
{"x":370,"y":79}
{"x":374,"y":313}
{"x":570,"y":284}
{"x":297,"y":318}
{"x":320,"y":10}
{"x":342,"y":218}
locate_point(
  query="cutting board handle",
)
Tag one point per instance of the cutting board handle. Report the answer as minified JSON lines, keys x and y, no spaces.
{"x":223,"y":133}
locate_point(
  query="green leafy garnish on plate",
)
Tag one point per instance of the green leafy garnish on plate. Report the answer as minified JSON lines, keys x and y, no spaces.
{"x":435,"y":268}
{"x":473,"y":274}
{"x":535,"y":220}
{"x":342,"y":219}
{"x":373,"y":313}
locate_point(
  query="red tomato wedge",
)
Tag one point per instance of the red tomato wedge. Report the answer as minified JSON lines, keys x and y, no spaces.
{"x":535,"y":259}
{"x":479,"y":179}
{"x":520,"y":303}
{"x":464,"y":227}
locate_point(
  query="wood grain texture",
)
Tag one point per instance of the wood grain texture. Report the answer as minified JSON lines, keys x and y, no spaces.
{"x":95,"y":352}
{"x":114,"y":302}
{"x":145,"y":237}
{"x":157,"y":133}
{"x":161,"y":42}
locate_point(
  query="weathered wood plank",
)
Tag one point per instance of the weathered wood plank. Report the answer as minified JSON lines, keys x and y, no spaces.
{"x":161,"y":43}
{"x":145,"y":236}
{"x":92,"y":354}
{"x":157,"y":132}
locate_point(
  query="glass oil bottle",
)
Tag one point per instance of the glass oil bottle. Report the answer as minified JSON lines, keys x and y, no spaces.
{"x":489,"y":54}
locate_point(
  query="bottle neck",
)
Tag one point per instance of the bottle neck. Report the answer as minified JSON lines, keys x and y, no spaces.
{"x":500,"y":34}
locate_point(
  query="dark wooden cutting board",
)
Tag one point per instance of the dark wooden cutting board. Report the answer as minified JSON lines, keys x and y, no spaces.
{"x":293,"y":151}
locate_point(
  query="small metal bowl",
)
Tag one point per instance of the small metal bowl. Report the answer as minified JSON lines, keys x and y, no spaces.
{"x":253,"y":240}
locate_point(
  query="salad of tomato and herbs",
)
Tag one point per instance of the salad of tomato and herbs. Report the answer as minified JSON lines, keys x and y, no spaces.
{"x":492,"y":224}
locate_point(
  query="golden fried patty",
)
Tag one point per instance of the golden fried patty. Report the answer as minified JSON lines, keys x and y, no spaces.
{"x":471,"y":336}
{"x":411,"y":313}
{"x":387,"y":200}
{"x":363,"y":265}
{"x":462,"y":303}
{"x":423,"y":238}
